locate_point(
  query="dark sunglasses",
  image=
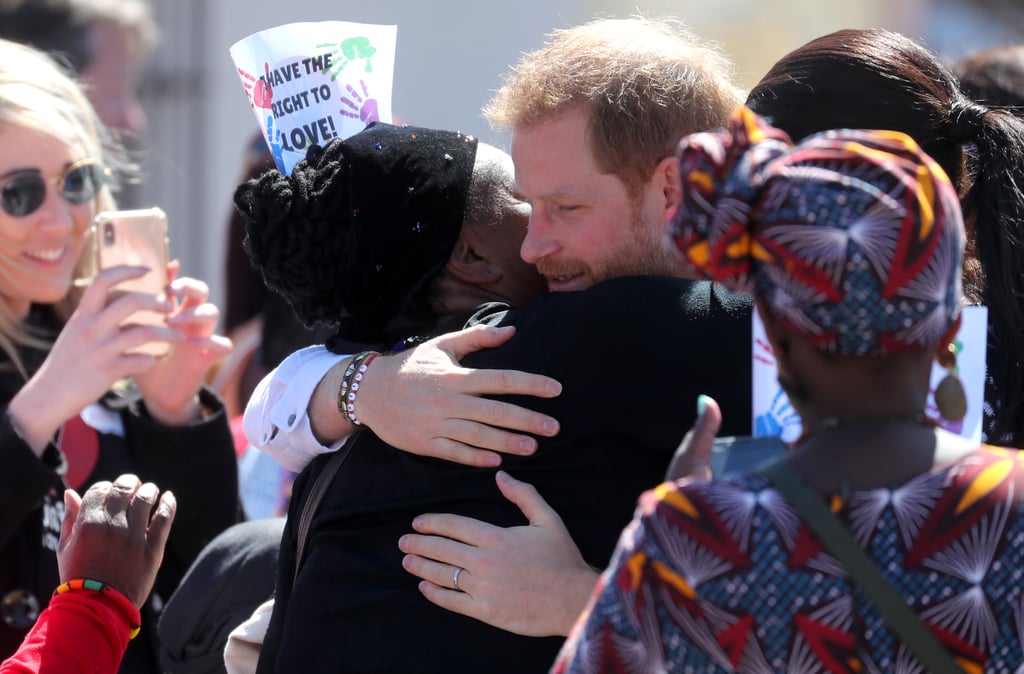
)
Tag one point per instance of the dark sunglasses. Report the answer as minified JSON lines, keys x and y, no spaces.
{"x":25,"y":191}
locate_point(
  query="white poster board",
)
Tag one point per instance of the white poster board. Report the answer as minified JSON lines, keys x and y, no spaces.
{"x":309,"y":83}
{"x":774,"y":415}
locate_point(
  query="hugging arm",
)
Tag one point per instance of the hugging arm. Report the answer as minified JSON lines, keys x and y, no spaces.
{"x":420,"y":400}
{"x":531,"y":580}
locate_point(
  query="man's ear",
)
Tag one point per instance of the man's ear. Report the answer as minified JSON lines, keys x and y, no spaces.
{"x":667,"y":175}
{"x":467,"y":265}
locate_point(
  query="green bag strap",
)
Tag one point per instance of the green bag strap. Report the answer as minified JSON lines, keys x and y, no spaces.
{"x":925,"y":646}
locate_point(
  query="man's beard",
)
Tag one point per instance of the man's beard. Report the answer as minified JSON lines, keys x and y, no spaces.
{"x":644,"y":254}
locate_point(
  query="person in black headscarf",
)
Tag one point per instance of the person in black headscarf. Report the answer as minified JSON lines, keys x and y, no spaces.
{"x":390,"y":236}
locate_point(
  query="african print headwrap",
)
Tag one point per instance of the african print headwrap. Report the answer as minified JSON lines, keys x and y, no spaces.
{"x":852,"y":239}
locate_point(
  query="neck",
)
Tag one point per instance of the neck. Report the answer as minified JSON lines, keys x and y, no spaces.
{"x":863,"y":422}
{"x":840,"y":453}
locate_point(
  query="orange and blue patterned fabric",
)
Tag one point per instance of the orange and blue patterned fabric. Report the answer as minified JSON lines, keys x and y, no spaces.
{"x":724,"y":576}
{"x":849,"y":238}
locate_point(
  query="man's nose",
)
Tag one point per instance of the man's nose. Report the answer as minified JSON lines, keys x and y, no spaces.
{"x":540,"y":241}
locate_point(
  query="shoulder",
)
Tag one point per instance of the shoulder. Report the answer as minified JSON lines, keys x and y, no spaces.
{"x":699,"y":501}
{"x":987,"y":474}
{"x":645,"y":297}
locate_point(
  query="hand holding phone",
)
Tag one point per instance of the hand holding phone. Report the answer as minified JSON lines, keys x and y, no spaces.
{"x":136,"y":238}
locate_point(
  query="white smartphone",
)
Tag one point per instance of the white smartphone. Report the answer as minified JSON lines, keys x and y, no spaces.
{"x":137,"y":238}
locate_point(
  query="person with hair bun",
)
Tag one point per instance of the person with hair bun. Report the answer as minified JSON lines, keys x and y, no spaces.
{"x":851,"y":242}
{"x":877,"y":79}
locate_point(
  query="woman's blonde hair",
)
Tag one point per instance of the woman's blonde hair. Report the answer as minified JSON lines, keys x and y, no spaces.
{"x":37,"y":93}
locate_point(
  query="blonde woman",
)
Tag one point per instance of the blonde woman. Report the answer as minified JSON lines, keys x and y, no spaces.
{"x":62,"y":354}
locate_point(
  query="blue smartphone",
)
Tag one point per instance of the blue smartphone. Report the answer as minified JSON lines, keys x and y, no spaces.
{"x":741,"y":454}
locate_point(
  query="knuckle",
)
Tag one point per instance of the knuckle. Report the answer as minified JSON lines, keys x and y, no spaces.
{"x":492,"y":412}
{"x":505,"y":380}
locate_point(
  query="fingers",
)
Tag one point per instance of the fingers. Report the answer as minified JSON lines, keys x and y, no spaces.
{"x":693,"y":457}
{"x":512,"y":382}
{"x":195,"y":321}
{"x":173,"y":269}
{"x":190,"y":291}
{"x":439,"y":573}
{"x":475,"y":338}
{"x":160,"y":524}
{"x":491,"y":433}
{"x":706,"y":427}
{"x":452,"y":600}
{"x":498,"y":418}
{"x":119,"y":497}
{"x":95,"y":296}
{"x":72,"y":506}
{"x":455,"y":528}
{"x":526,"y":497}
{"x":457,"y":452}
{"x":141,"y":507}
{"x":436,"y":549}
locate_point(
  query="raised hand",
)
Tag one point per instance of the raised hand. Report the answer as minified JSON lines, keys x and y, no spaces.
{"x":171,"y":385}
{"x":90,"y":354}
{"x":440,"y":406}
{"x":693,"y":456}
{"x":115,"y":533}
{"x":530,"y":580}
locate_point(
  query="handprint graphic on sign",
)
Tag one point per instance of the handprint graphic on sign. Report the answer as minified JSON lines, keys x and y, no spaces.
{"x":363,"y":108}
{"x":274,"y":143}
{"x":349,"y":50}
{"x":259,"y":92}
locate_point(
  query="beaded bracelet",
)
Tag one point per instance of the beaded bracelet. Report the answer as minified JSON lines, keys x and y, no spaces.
{"x":350,"y":382}
{"x":346,"y":381}
{"x":96,"y":586}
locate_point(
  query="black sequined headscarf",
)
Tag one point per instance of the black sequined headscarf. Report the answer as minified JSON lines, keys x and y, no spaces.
{"x":360,"y":225}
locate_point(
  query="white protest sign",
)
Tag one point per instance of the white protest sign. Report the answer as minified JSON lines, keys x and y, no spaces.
{"x":309,"y":83}
{"x":774,"y":415}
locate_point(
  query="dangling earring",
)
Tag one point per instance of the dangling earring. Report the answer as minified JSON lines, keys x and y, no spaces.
{"x":950,"y":397}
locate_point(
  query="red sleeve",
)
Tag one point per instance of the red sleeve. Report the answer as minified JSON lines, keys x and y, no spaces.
{"x":81,"y":631}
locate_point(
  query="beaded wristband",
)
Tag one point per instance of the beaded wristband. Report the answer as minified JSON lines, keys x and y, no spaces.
{"x":346,"y":381}
{"x":96,"y":586}
{"x":350,"y":382}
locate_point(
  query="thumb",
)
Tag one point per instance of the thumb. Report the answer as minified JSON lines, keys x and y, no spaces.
{"x":72,"y":506}
{"x":475,"y":338}
{"x":526,"y":496}
{"x":693,"y":457}
{"x":160,"y":524}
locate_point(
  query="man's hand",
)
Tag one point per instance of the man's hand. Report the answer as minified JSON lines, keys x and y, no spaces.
{"x":693,"y":457}
{"x":116,"y":534}
{"x":424,"y":402}
{"x":530,"y":580}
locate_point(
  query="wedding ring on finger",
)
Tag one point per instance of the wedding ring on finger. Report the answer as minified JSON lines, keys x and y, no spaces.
{"x":455,"y":578}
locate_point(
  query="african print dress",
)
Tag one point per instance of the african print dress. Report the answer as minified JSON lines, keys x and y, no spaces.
{"x":723,"y":576}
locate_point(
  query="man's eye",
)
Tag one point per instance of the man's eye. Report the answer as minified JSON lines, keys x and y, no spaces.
{"x":569,"y":207}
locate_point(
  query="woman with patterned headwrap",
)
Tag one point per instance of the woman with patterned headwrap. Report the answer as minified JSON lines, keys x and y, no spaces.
{"x":852,"y":243}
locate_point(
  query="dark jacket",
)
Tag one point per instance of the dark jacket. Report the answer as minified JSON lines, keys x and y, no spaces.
{"x":197,"y":462}
{"x":633,"y":355}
